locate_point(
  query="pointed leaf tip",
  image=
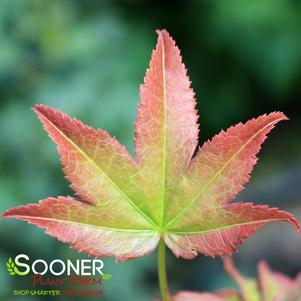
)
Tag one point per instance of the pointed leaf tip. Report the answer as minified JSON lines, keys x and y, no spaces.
{"x":162,"y":32}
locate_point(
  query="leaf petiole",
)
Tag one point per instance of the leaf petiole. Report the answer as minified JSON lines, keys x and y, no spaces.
{"x":162,"y":271}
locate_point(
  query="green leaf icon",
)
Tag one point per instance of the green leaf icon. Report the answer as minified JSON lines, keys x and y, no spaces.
{"x":105,"y":276}
{"x":10,"y":267}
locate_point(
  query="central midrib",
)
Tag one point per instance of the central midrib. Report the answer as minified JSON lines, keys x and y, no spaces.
{"x":51,"y":219}
{"x":222,"y":228}
{"x":164,"y":135}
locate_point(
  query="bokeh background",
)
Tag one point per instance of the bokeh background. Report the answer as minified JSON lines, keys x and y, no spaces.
{"x":88,"y":58}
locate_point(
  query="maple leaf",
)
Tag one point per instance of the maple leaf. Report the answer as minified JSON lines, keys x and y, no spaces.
{"x":125,"y":206}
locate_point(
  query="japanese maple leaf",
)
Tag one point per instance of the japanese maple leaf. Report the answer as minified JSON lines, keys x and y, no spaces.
{"x":125,"y":206}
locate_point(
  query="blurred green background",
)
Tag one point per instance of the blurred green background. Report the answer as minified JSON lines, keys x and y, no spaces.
{"x":88,"y":58}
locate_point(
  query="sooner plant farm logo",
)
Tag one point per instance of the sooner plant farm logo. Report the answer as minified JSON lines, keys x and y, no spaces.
{"x":58,"y":274}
